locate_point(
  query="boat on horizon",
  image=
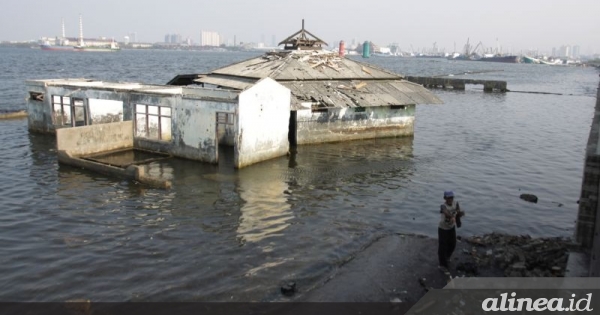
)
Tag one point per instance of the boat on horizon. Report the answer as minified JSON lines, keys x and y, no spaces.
{"x":501,"y":58}
{"x":527,"y":59}
{"x":64,"y":43}
{"x":47,"y":46}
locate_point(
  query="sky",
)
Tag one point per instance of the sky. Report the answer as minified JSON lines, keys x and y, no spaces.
{"x":513,"y":25}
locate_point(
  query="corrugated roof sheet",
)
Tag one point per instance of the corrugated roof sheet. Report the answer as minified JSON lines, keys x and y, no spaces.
{"x":354,"y":93}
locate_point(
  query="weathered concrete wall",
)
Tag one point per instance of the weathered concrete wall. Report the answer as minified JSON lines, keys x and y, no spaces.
{"x":588,"y":221}
{"x":39,"y":115}
{"x":193,"y":126}
{"x":342,"y":124}
{"x":86,"y":93}
{"x":86,"y":140}
{"x":262,"y":124}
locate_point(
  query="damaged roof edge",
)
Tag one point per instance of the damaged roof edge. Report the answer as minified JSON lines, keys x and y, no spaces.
{"x":378,"y":68}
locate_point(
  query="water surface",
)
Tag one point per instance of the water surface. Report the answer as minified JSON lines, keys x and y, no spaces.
{"x":234,"y":235}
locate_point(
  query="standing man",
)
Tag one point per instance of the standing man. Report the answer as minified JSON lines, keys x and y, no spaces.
{"x":450,"y":215}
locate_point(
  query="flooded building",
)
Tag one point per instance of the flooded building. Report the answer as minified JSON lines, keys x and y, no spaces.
{"x":260,"y":107}
{"x":93,"y":117}
{"x":333,"y":98}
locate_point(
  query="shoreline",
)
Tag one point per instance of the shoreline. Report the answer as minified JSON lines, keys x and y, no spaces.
{"x":401,"y":268}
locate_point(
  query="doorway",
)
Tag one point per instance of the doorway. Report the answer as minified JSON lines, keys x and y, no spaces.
{"x":292,"y":133}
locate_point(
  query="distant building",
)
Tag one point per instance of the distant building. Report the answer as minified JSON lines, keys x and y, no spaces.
{"x":210,"y":39}
{"x":564,"y":51}
{"x":175,"y":38}
{"x":576,"y":51}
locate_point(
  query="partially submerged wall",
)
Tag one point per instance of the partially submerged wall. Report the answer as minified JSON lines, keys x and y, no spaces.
{"x":40,"y":104}
{"x":92,"y":139}
{"x":263,"y":123}
{"x":193,"y":126}
{"x":342,"y":124}
{"x":39,"y":115}
{"x":135,"y":172}
{"x":74,"y":143}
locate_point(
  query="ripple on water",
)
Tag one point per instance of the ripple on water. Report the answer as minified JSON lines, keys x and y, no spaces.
{"x":221,"y":233}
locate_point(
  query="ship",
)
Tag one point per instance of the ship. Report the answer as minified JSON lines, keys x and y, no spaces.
{"x":473,"y":55}
{"x":527,"y":59}
{"x":48,"y":46}
{"x":501,"y":58}
{"x":64,"y":43}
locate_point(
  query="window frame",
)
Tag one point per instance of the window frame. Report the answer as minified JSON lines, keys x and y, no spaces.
{"x":160,"y":115}
{"x":62,"y":103}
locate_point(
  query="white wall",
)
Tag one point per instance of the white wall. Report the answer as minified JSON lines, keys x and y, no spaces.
{"x":263,"y":123}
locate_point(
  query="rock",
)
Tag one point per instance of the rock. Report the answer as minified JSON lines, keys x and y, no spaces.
{"x":288,"y":289}
{"x":529,"y":197}
{"x":468,"y":268}
{"x":489,"y":252}
{"x":518,"y":266}
{"x":396,"y":300}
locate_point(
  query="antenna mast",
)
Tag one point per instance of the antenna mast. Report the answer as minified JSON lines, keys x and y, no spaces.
{"x":81,"y":43}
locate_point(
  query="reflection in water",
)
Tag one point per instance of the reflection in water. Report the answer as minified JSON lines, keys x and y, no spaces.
{"x":374,"y":159}
{"x":264,"y":211}
{"x":271,"y":219}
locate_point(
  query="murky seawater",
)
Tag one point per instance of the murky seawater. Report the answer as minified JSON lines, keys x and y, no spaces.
{"x":225,"y":234}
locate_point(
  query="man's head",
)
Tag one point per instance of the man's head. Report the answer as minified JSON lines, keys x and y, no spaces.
{"x":448,"y":195}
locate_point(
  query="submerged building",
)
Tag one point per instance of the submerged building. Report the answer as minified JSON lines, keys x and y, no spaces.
{"x":333,"y":98}
{"x":260,"y":107}
{"x":91,"y":117}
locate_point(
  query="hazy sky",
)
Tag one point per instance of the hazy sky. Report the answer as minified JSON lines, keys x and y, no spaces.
{"x":518,"y":24}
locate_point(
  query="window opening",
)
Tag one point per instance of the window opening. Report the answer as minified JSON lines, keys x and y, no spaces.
{"x":153,"y":122}
{"x":61,"y":110}
{"x":36,"y":96}
{"x":79,"y":112}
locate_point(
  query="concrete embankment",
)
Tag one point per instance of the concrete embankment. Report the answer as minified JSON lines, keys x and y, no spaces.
{"x":402,"y":268}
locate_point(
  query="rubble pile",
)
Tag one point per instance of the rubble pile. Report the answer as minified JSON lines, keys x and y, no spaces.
{"x":520,"y":256}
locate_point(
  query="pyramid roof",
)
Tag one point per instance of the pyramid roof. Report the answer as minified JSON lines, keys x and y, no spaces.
{"x":323,"y":77}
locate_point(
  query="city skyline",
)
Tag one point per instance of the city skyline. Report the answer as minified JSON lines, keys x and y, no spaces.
{"x":524,"y":27}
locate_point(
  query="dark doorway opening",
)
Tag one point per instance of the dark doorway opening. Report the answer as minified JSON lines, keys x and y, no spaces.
{"x":292,"y":134}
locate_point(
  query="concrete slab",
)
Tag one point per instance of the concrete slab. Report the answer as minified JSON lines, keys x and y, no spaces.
{"x":392,"y":269}
{"x":388,"y":270}
{"x":578,"y":265}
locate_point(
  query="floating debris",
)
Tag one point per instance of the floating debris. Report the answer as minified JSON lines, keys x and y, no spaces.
{"x":529,"y":197}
